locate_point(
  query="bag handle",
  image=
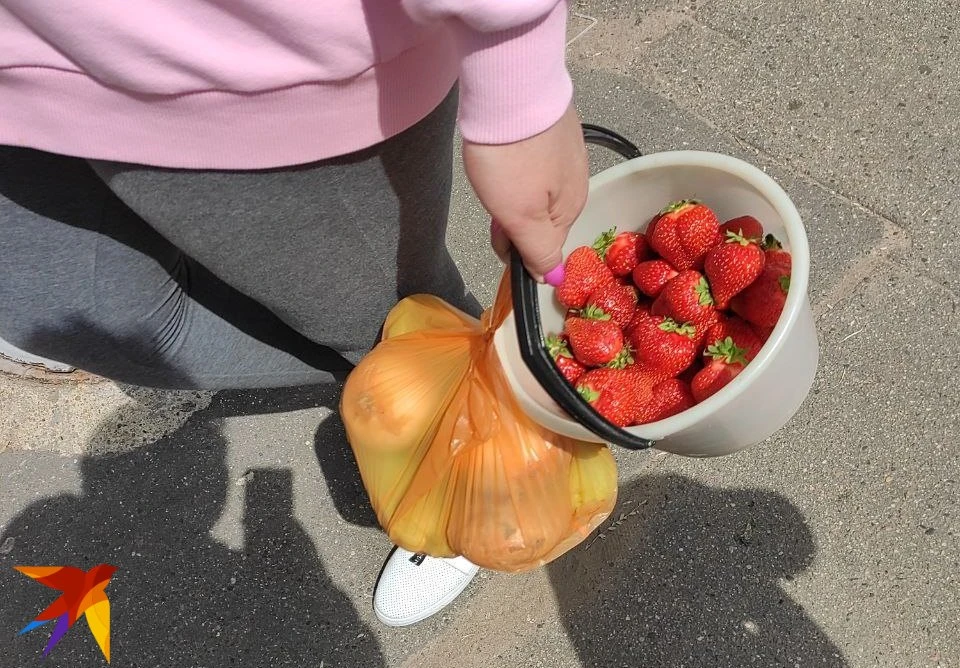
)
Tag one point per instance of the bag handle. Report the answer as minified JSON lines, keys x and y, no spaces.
{"x":526,"y":313}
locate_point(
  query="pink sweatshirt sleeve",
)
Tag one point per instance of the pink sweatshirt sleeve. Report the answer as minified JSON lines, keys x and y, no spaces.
{"x":513,"y":77}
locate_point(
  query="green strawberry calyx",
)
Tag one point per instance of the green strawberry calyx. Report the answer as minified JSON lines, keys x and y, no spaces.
{"x":594,"y":312}
{"x":703,"y":292}
{"x":588,"y":393}
{"x":557,"y":347}
{"x":727,"y":351}
{"x":738,"y":238}
{"x":623,"y":359}
{"x":784,"y":282}
{"x":770,"y":242}
{"x":604,"y":241}
{"x":686,"y":329}
{"x":674,"y":207}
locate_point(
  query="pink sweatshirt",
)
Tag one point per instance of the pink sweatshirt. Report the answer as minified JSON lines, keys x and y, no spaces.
{"x":247,"y":84}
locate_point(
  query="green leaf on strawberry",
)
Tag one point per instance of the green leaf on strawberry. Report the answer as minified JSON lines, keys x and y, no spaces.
{"x":593,"y":312}
{"x":703,"y":292}
{"x":734,"y":238}
{"x":770,"y":242}
{"x":623,"y":359}
{"x":557,"y":347}
{"x":604,"y":241}
{"x":676,"y":206}
{"x":784,"y":282}
{"x":588,"y":393}
{"x":727,"y":351}
{"x":686,"y":329}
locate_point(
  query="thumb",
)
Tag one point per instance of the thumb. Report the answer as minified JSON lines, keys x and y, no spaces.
{"x":540,"y":245}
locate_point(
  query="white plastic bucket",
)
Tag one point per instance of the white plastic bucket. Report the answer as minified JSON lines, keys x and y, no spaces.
{"x":768,"y":392}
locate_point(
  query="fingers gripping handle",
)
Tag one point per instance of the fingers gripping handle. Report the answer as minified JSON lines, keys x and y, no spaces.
{"x":526,"y":311}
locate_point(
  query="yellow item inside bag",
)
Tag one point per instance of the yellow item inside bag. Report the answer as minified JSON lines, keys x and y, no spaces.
{"x":449,"y":460}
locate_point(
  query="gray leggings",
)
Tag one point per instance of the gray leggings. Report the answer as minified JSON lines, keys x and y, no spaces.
{"x":216,"y":279}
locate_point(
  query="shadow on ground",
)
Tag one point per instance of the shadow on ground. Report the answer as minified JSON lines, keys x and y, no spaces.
{"x":689,"y":575}
{"x":180,"y":598}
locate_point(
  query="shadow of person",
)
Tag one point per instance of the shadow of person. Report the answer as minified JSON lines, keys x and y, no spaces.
{"x":179,"y":597}
{"x":332,"y":450}
{"x":339,"y":466}
{"x":689,"y":575}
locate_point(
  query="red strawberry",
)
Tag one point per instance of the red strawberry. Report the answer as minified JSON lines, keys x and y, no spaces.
{"x":594,"y":338}
{"x":762,"y":303}
{"x":745,"y":226}
{"x":763,"y":333}
{"x":642,"y":312}
{"x":775,"y":256}
{"x":727,"y":362}
{"x":652,"y":275}
{"x":684,"y":232}
{"x":619,"y":301}
{"x":584,"y":272}
{"x":687,"y":298}
{"x":560,"y":352}
{"x":651,"y":229}
{"x":663,"y":346}
{"x":622,"y":251}
{"x":732,"y":266}
{"x":669,"y":397}
{"x":611,"y":393}
{"x":739,"y":331}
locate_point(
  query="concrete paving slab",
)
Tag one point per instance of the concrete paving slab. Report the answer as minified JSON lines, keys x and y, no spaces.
{"x":860,"y":99}
{"x":67,"y":416}
{"x":840,"y":232}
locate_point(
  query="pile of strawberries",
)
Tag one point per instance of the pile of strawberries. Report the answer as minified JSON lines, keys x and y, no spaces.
{"x":660,"y":320}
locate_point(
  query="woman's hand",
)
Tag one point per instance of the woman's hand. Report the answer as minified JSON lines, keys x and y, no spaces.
{"x":534,"y":189}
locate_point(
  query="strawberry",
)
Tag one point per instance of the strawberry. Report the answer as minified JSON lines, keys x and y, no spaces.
{"x":727,"y":361}
{"x":684,"y":232}
{"x":762,"y":303}
{"x":642,"y":312}
{"x":745,"y":226}
{"x":619,"y":301}
{"x":584,"y":272}
{"x":651,"y":230}
{"x":732,"y":266}
{"x":558,"y":348}
{"x":611,"y":393}
{"x":687,"y":298}
{"x":594,"y":338}
{"x":740,"y":331}
{"x":669,"y":397}
{"x":775,"y":256}
{"x":622,"y":251}
{"x":652,"y":275}
{"x":663,"y":346}
{"x":763,"y":333}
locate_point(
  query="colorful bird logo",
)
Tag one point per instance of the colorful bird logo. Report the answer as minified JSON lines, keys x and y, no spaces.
{"x":83,"y":594}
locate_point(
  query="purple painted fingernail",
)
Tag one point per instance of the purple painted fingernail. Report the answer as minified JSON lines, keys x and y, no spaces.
{"x":554,"y":277}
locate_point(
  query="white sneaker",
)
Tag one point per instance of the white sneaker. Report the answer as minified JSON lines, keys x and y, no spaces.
{"x":414,"y":586}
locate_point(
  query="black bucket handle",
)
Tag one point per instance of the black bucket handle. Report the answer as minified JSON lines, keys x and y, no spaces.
{"x":526,"y":313}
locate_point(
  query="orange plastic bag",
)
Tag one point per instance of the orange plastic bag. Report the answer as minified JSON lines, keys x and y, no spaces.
{"x":451,"y":463}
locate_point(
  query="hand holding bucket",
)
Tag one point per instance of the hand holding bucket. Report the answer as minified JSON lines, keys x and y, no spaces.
{"x":756,"y":403}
